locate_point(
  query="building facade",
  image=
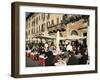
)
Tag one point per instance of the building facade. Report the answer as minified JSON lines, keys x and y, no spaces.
{"x":39,"y":23}
{"x":44,"y":25}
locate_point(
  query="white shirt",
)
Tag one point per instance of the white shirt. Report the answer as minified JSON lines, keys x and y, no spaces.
{"x":69,"y":47}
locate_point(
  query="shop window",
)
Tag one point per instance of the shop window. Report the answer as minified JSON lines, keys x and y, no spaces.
{"x":42,"y":28}
{"x":43,"y":16}
{"x":37,"y":20}
{"x":84,"y":34}
{"x":74,"y":32}
{"x":57,"y":20}
{"x":48,"y":16}
{"x":48,"y":24}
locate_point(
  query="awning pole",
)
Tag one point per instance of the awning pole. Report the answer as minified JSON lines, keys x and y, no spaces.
{"x":57,"y":42}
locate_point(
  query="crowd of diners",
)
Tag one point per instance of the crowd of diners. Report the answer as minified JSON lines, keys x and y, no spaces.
{"x":74,"y":53}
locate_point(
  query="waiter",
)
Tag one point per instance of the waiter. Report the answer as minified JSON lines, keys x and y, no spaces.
{"x":48,"y":56}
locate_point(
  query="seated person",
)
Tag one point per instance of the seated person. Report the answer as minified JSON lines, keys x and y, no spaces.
{"x":72,"y":59}
{"x":48,"y":56}
{"x":84,"y":58}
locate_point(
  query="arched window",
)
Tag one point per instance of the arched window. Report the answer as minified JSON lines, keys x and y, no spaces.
{"x":74,"y":32}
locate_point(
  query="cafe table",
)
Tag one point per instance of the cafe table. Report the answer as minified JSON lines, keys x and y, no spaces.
{"x":42,"y":60}
{"x":28,"y":52}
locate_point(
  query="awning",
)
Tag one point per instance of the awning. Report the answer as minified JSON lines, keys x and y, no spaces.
{"x":75,"y":37}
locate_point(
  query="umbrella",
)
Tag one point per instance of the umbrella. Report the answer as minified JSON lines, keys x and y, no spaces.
{"x":45,"y":37}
